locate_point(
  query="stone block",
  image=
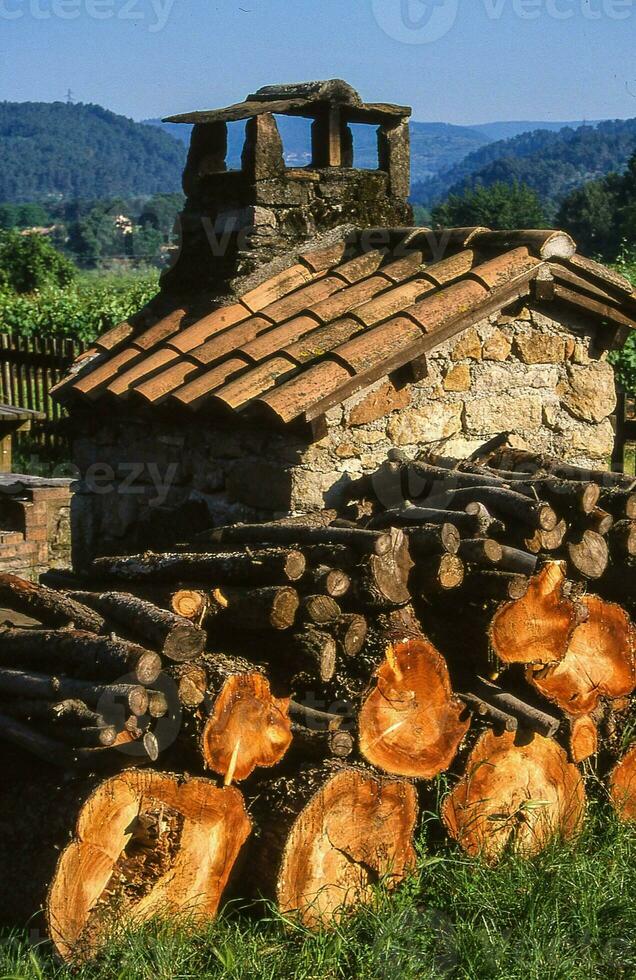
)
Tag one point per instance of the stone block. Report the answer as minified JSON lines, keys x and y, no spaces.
{"x":497,"y":347}
{"x":468,"y":346}
{"x":457,"y":378}
{"x":589,"y":393}
{"x":539,"y":348}
{"x":376,"y":404}
{"x":582,"y":442}
{"x":346,"y":450}
{"x":498,"y":378}
{"x":428,"y":424}
{"x":487,"y":416}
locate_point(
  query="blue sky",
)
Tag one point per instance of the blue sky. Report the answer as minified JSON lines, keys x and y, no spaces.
{"x":460,"y":61}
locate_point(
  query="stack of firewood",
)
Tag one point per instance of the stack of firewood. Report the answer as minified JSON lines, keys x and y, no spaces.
{"x":457,"y":616}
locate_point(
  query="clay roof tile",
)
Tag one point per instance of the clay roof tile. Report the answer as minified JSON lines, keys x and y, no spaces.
{"x":291,"y":399}
{"x":230,"y":340}
{"x":504,"y":268}
{"x":302,"y":299}
{"x":318,"y":342}
{"x":359,"y":268}
{"x":372,"y":347}
{"x":446,"y":304}
{"x":278,"y":338}
{"x":392,"y":301}
{"x":208,"y":326}
{"x":254,"y":383}
{"x":122,"y":384}
{"x":347,"y":299}
{"x":160,"y":331}
{"x":195,"y":393}
{"x":92,"y":383}
{"x":403,"y":268}
{"x":321,"y":259}
{"x":161,"y":385}
{"x":450,"y":268}
{"x":275,"y":288}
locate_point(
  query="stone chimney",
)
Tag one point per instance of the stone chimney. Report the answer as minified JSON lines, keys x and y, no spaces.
{"x":236,"y":220}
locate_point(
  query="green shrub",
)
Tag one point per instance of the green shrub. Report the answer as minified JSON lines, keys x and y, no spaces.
{"x":29,"y":263}
{"x":87,"y":307}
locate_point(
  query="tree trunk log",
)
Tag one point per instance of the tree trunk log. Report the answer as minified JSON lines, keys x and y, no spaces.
{"x":49,"y":607}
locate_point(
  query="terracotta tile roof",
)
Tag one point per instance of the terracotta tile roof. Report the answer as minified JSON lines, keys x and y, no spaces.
{"x":338,"y":318}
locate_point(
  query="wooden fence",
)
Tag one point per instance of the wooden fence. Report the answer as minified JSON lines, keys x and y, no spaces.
{"x":625,"y":427}
{"x":29,"y":368}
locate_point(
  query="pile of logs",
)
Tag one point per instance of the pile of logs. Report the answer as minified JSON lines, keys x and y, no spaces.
{"x":468,"y":617}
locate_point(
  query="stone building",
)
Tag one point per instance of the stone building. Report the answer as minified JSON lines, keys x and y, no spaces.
{"x":270,"y":372}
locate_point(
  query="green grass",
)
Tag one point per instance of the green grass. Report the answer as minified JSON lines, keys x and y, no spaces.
{"x":569,"y":914}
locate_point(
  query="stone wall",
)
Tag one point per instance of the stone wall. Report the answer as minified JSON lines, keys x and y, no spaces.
{"x":538,"y":375}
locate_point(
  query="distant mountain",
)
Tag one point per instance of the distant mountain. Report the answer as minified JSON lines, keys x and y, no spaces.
{"x":55,"y":151}
{"x":508,"y":130}
{"x":551,"y":163}
{"x":434,"y":146}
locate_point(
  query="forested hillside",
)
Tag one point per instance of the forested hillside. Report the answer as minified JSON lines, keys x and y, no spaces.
{"x":552,"y":164}
{"x":57,"y":151}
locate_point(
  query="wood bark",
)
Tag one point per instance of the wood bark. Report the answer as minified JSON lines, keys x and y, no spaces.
{"x":48,"y":606}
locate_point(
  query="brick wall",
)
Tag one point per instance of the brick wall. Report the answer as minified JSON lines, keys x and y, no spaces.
{"x":34,"y":526}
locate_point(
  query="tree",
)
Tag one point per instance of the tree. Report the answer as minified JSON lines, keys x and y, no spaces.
{"x":501,"y":206}
{"x":29,"y":263}
{"x":589,"y":214}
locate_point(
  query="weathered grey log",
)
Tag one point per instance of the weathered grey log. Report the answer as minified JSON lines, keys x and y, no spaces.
{"x":313,"y":744}
{"x":409,"y":517}
{"x":485,"y":584}
{"x":49,"y":750}
{"x":317,"y":720}
{"x":81,"y":738}
{"x":315,"y":651}
{"x":23,"y":684}
{"x":499,"y":718}
{"x":434,"y":575}
{"x":517,"y":561}
{"x":547,"y":540}
{"x":526,"y":714}
{"x":296,"y":535}
{"x":192,"y":683}
{"x":69,"y":712}
{"x":266,"y":566}
{"x":174,"y":637}
{"x":88,"y":656}
{"x":47,"y":606}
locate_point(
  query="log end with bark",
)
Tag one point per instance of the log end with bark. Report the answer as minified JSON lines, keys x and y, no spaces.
{"x":537,"y":628}
{"x":598,"y":663}
{"x":411,"y":724}
{"x":622,"y":786}
{"x":248,"y":728}
{"x":146,"y":844}
{"x":517,"y":794}
{"x":356,"y":831}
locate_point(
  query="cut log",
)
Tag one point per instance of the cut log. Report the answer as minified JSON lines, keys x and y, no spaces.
{"x":483,"y":584}
{"x":598,"y":663}
{"x":85,"y":654}
{"x":622,"y":786}
{"x":383,"y":579}
{"x":500,"y":719}
{"x":517,"y":561}
{"x":434,"y":539}
{"x":411,"y":517}
{"x":516,"y":795}
{"x":272,"y":607}
{"x":49,"y":607}
{"x":523,"y":460}
{"x":350,"y":632}
{"x":174,"y":637}
{"x":589,"y":555}
{"x":51,"y":750}
{"x":547,"y":540}
{"x":314,"y":745}
{"x":622,"y":540}
{"x":192,"y":683}
{"x":599,"y":520}
{"x":434,"y":575}
{"x":582,"y":738}
{"x":506,"y":503}
{"x":257,"y":567}
{"x":332,"y":581}
{"x":411,"y":724}
{"x":537,"y":628}
{"x":248,"y":728}
{"x":146,"y":844}
{"x":480,"y":551}
{"x":314,"y":651}
{"x":330,"y":837}
{"x":321,"y":609}
{"x":106,"y":697}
